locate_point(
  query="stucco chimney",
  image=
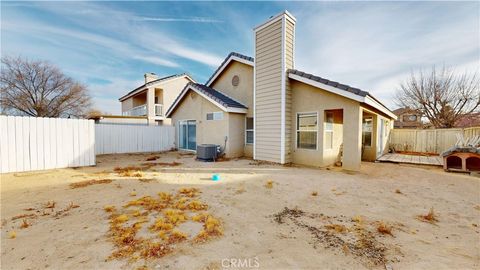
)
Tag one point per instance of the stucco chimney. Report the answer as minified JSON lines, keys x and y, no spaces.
{"x":274,"y":55}
{"x":150,"y":77}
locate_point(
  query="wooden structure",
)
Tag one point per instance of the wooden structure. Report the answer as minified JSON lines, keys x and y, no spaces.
{"x":411,"y":159}
{"x":464,"y":156}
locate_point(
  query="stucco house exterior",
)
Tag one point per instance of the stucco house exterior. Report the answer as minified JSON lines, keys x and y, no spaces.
{"x":262,"y":107}
{"x":407,"y":118}
{"x":148,"y":103}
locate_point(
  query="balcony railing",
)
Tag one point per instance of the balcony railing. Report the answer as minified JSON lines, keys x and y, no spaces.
{"x":142,"y":110}
{"x":158,"y":109}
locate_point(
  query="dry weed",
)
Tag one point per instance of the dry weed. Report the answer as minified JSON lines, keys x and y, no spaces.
{"x":89,"y":183}
{"x":24,"y":224}
{"x":50,"y":204}
{"x":152,"y":158}
{"x":339,"y":228}
{"x":430,"y":217}
{"x":24,"y":216}
{"x":269,"y":184}
{"x":398,"y":191}
{"x":109,"y":208}
{"x":314,"y":193}
{"x":384,"y":228}
{"x":12,"y":235}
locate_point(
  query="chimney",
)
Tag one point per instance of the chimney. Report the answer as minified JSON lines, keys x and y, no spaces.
{"x":150,"y":77}
{"x":274,"y":55}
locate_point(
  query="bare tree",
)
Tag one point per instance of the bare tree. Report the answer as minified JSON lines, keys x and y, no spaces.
{"x":443,"y":96}
{"x":38,"y":88}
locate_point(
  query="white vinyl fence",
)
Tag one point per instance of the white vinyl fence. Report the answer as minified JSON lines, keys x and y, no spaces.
{"x":428,"y":140}
{"x":34,"y":143}
{"x":125,"y":138}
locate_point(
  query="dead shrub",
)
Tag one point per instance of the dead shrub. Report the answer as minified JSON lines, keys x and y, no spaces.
{"x":24,"y":216}
{"x":152,"y":158}
{"x":89,"y":183}
{"x":50,"y":204}
{"x":269,"y":184}
{"x":131,"y":171}
{"x":384,"y":228}
{"x":12,"y":235}
{"x":430,"y":217}
{"x":314,"y":193}
{"x":398,"y":191}
{"x":339,"y":228}
{"x":24,"y":224}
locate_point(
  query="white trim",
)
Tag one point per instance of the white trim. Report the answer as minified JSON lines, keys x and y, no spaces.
{"x":367,"y":99}
{"x":283,"y":94}
{"x":178,"y":137}
{"x":296,"y":131}
{"x":226,"y":109}
{"x":372,"y":102}
{"x":254,"y":95}
{"x":154,"y":84}
{"x":274,"y":19}
{"x":230,"y":59}
{"x":325,"y":112}
{"x":252,"y":130}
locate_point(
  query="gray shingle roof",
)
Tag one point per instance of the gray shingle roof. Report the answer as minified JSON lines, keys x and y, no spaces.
{"x":344,"y":87}
{"x":219,"y":97}
{"x":248,"y":58}
{"x":153,"y":82}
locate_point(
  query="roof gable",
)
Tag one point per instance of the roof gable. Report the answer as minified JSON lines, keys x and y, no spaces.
{"x":233,"y":56}
{"x":224,"y":102}
{"x":157,"y":81}
{"x":340,"y":89}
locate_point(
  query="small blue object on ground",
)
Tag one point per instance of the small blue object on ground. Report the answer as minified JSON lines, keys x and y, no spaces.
{"x":215,"y":177}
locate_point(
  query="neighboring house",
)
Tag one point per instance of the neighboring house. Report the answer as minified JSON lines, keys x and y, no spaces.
{"x":266,"y":109}
{"x":468,"y":120}
{"x":408,"y":118}
{"x":149,"y":101}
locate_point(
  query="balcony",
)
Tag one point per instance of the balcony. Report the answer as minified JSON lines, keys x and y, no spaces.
{"x":142,"y":111}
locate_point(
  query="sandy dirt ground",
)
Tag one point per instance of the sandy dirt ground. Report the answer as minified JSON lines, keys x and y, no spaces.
{"x":305,"y":218}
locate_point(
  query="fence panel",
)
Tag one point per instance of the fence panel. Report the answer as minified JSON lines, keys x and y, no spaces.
{"x":428,"y":140}
{"x":35,"y":143}
{"x":125,"y":138}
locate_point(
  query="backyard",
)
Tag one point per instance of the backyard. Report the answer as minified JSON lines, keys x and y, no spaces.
{"x":162,"y":210}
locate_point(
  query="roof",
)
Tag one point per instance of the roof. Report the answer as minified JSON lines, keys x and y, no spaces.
{"x":226,"y":103}
{"x":340,"y":89}
{"x":401,"y":111}
{"x":230,"y":57}
{"x":468,"y":120}
{"x":159,"y":80}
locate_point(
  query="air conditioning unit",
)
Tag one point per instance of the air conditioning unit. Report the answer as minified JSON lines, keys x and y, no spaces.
{"x":207,"y":152}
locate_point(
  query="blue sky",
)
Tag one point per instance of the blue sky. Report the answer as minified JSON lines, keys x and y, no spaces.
{"x":110,"y":45}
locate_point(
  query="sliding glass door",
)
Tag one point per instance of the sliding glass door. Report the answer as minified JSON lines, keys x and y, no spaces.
{"x":187,"y":135}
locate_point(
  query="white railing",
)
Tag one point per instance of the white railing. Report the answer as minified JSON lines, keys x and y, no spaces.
{"x":158,"y":109}
{"x":137,"y":111}
{"x":142,"y":110}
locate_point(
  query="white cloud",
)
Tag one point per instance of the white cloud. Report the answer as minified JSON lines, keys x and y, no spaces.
{"x":190,"y":19}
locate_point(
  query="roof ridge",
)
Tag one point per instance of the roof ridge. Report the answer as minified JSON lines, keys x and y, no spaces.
{"x":203,"y":85}
{"x":248,"y":58}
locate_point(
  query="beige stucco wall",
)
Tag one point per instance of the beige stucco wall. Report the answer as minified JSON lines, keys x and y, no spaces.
{"x":242,"y":93}
{"x":305,"y":99}
{"x":212,"y":131}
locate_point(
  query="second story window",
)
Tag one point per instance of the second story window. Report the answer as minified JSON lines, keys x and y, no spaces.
{"x":215,"y":116}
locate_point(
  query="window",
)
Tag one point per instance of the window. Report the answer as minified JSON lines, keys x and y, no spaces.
{"x":215,"y":116}
{"x":367,"y":127}
{"x":307,"y":130}
{"x":249,"y":130}
{"x":328,"y":130}
{"x":410,"y":118}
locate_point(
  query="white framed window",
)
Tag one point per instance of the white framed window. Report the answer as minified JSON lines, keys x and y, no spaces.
{"x":367,"y":127}
{"x":329,"y":130}
{"x":249,"y":132}
{"x":215,"y":116}
{"x":307,"y":130}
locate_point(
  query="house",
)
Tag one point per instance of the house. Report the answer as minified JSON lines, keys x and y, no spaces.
{"x":264,"y":108}
{"x":147,"y":103}
{"x":407,"y":118}
{"x":468,"y":120}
